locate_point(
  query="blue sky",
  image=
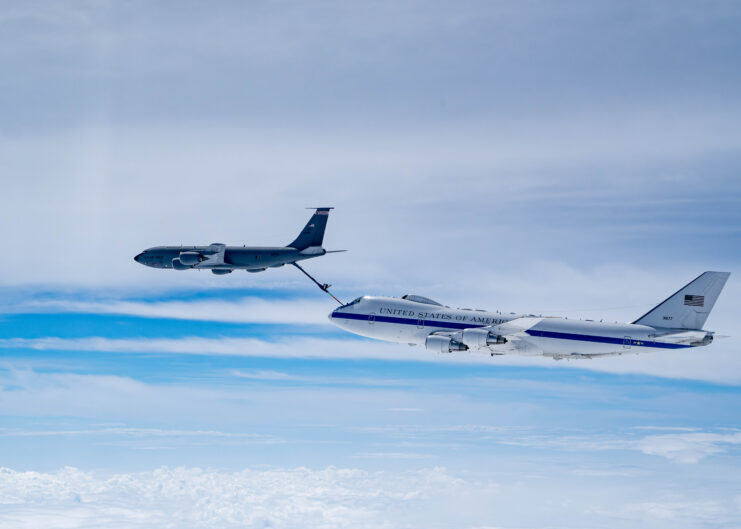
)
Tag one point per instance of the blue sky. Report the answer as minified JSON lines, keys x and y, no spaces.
{"x":579,"y":159}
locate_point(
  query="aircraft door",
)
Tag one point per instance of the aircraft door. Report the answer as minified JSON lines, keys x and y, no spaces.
{"x":371,"y":318}
{"x":420,"y":323}
{"x":626,"y":342}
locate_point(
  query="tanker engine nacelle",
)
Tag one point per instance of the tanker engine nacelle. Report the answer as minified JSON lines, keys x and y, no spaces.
{"x":190,"y":258}
{"x":480,"y":338}
{"x":443,"y":344}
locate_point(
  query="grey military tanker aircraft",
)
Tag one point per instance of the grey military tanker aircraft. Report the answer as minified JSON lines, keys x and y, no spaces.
{"x":222,"y":259}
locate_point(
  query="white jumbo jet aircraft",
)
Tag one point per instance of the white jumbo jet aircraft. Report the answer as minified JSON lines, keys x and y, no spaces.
{"x":675,"y":323}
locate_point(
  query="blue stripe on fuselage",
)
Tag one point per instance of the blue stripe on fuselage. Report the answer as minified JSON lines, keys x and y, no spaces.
{"x":406,"y":321}
{"x":604,"y":339}
{"x":531,"y":332}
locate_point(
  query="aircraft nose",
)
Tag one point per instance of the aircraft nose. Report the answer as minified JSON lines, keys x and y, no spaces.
{"x":137,"y":257}
{"x":331,"y":316}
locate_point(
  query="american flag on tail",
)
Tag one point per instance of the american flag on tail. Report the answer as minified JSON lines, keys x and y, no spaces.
{"x":694,"y":301}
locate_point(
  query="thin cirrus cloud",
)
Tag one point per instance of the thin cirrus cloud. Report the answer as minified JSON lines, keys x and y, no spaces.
{"x":134,"y":432}
{"x":689,"y":447}
{"x":685,"y":448}
{"x":722,"y":365}
{"x":244,"y":310}
{"x":426,"y":122}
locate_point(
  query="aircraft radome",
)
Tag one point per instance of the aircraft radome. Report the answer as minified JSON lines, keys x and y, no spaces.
{"x":676,"y":323}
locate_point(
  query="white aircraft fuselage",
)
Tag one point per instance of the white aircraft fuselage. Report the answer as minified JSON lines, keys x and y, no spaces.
{"x":416,"y":320}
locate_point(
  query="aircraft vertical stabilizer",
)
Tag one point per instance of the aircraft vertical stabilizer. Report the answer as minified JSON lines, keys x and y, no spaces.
{"x":689,"y":307}
{"x":313,"y":232}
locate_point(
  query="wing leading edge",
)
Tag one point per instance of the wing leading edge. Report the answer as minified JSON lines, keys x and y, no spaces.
{"x":509,"y":337}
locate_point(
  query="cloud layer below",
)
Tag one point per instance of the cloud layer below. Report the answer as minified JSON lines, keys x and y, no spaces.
{"x":191,"y":497}
{"x":333,"y":498}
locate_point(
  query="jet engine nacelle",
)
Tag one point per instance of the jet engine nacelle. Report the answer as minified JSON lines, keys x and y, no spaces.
{"x":190,"y":258}
{"x":177,"y":264}
{"x":443,"y":344}
{"x":479,"y":338}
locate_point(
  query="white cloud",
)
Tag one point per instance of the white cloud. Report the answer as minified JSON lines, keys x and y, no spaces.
{"x":259,"y":180}
{"x":297,"y":347}
{"x":718,"y":363}
{"x":370,"y":412}
{"x":231,"y":405}
{"x":278,"y":376}
{"x":722,"y":512}
{"x":136,"y":432}
{"x":243,"y":310}
{"x":395,"y":455}
{"x":263,"y":374}
{"x":688,"y":447}
{"x":680,"y":447}
{"x":347,"y":498}
{"x":667,"y":428}
{"x":328,"y":498}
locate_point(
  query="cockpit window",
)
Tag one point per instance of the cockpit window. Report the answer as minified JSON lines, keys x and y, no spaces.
{"x":353,"y":302}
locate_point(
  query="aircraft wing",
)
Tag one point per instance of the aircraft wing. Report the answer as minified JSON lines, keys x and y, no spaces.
{"x":507,"y":338}
{"x":215,"y":259}
{"x":517,"y":340}
{"x":516,"y":344}
{"x":516,"y":326}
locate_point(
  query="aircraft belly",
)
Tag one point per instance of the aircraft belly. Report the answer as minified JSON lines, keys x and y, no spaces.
{"x":257,"y":259}
{"x":386,"y":331}
{"x":390,"y":332}
{"x":168,"y":257}
{"x":561,"y":337}
{"x":556,"y":346}
{"x":379,"y":331}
